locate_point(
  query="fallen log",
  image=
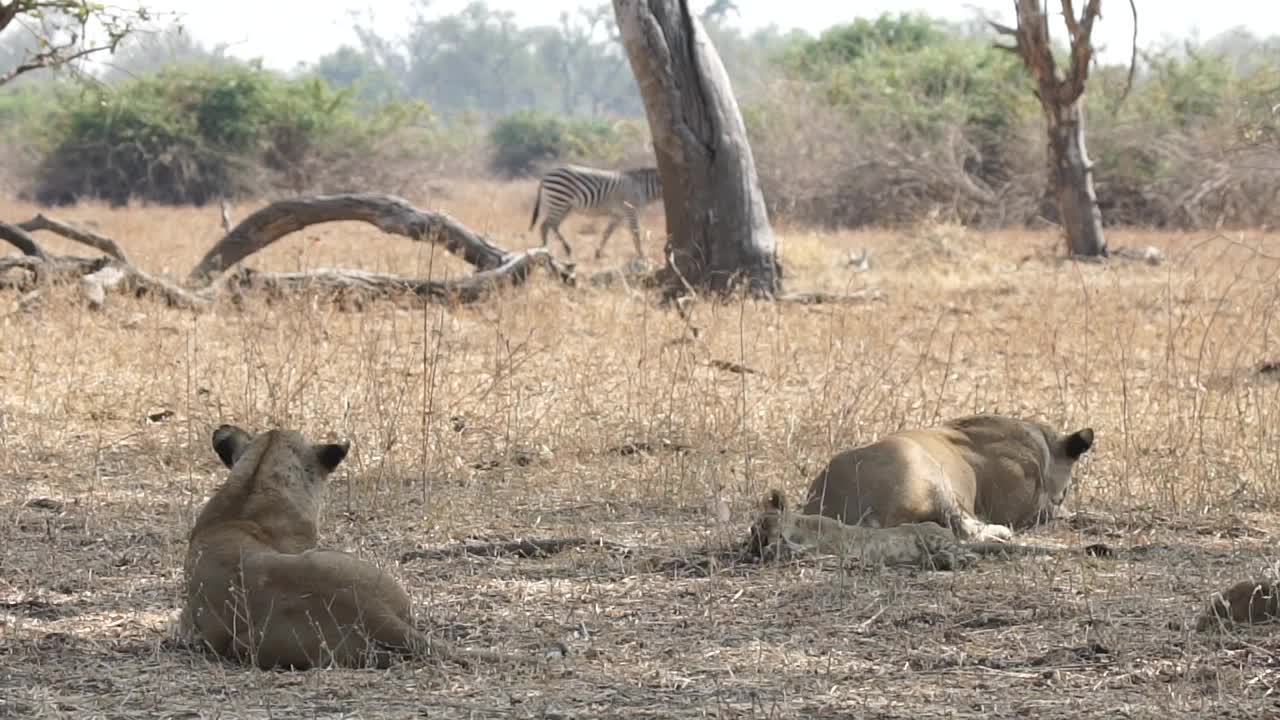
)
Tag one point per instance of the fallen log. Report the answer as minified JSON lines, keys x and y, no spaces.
{"x":50,"y":269}
{"x":513,"y":271}
{"x":495,"y":266}
{"x":825,"y":298}
{"x":21,"y":239}
{"x":518,"y":548}
{"x":101,"y":243}
{"x":388,"y":213}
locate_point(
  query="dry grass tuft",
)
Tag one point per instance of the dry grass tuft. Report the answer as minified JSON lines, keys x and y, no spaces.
{"x":503,"y":421}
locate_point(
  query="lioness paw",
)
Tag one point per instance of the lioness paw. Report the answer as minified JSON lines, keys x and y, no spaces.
{"x":994,"y":533}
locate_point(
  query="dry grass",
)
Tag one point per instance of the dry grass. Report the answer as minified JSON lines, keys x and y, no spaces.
{"x":544,"y":381}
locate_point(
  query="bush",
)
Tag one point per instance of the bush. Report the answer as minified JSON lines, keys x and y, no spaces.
{"x":913,"y":119}
{"x":23,"y":105}
{"x":1194,"y":144}
{"x":195,"y":133}
{"x":888,"y":121}
{"x":525,"y":141}
{"x":860,"y":39}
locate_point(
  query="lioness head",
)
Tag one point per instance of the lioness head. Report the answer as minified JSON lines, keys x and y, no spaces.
{"x":277,"y":475}
{"x":1064,"y":451}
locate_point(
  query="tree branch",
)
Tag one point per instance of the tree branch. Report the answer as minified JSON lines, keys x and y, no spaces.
{"x":8,"y":13}
{"x":120,"y":274}
{"x":518,"y":548}
{"x":51,"y":58}
{"x":388,"y":213}
{"x":1133,"y":61}
{"x":513,"y":272}
{"x":1081,"y":49}
{"x":1002,"y":29}
{"x":16,"y":236}
{"x":1069,"y":15}
{"x":54,"y":270}
{"x":101,"y":243}
{"x":498,"y":267}
{"x":823,"y":298}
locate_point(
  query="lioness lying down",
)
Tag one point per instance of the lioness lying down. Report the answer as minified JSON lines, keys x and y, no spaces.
{"x":981,"y":476}
{"x":1244,"y":603}
{"x":258,"y":588}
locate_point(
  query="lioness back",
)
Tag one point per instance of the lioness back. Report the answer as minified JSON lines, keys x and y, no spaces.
{"x":258,"y":588}
{"x":979,"y":475}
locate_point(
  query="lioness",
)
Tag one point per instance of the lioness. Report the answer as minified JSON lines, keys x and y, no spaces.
{"x":925,"y":544}
{"x":1246,"y":602}
{"x":259,"y":589}
{"x":981,"y":476}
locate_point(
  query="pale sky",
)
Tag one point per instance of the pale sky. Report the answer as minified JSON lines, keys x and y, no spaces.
{"x":285,"y":32}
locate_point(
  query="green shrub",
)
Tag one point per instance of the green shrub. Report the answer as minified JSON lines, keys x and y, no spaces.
{"x":524,"y":140}
{"x":905,"y":78}
{"x":862,"y":38}
{"x":194,"y":133}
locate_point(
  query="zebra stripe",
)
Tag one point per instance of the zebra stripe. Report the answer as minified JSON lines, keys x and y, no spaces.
{"x":595,"y":192}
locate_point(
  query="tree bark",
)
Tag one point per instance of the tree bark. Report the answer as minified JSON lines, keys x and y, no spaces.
{"x":1061,"y":98}
{"x":1073,"y":180}
{"x":719,"y":229}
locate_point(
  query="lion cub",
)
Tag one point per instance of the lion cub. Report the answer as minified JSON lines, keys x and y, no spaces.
{"x":258,"y":588}
{"x":981,"y":476}
{"x":926,"y":545}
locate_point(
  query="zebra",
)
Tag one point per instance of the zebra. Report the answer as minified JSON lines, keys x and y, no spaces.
{"x":595,"y":192}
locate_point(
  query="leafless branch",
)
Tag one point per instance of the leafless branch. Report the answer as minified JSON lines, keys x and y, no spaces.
{"x":16,"y":236}
{"x":1002,"y":29}
{"x":1133,"y":60}
{"x":101,"y":243}
{"x":1069,"y":15}
{"x":388,"y":213}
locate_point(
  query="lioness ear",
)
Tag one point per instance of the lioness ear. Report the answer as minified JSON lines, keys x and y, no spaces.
{"x":330,"y":454}
{"x":229,"y":442}
{"x":1078,"y":442}
{"x":775,"y":501}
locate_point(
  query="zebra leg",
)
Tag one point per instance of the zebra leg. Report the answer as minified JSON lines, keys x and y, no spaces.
{"x":634,"y":223}
{"x":568,"y":251}
{"x":614,"y":221}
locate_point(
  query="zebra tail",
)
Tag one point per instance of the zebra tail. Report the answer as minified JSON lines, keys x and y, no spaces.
{"x":537,"y":202}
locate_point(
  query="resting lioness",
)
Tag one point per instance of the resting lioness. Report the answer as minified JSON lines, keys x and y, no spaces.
{"x":258,"y":588}
{"x":926,"y":544}
{"x":1246,"y":602}
{"x":981,"y":476}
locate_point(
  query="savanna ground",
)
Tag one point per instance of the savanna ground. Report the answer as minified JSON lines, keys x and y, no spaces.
{"x":503,"y":421}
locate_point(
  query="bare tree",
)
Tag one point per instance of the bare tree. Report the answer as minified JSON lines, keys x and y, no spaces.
{"x":1061,"y":98}
{"x":63,"y":31}
{"x":719,"y":229}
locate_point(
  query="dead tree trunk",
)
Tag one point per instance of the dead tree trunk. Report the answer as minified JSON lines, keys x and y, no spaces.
{"x":719,"y":229}
{"x":1061,"y":98}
